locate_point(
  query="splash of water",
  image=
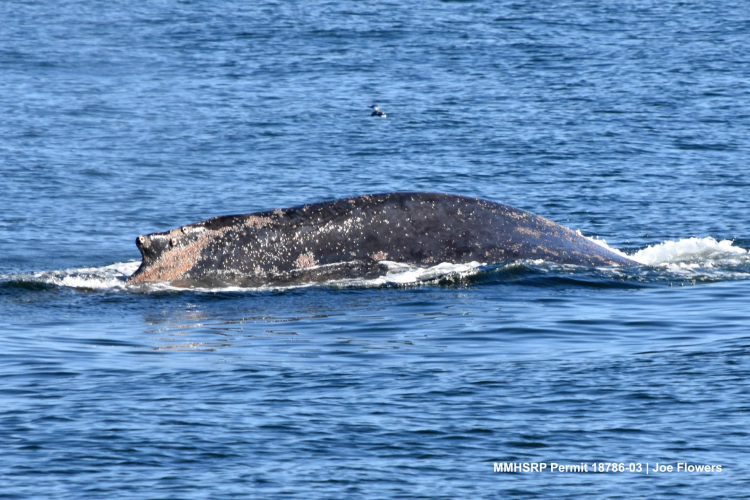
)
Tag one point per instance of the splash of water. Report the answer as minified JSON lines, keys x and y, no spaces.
{"x":702,"y":251}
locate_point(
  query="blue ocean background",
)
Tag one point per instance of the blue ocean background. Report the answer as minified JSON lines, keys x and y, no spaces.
{"x":628,"y":121}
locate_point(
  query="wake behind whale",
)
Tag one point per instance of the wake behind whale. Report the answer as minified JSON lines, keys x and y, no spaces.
{"x":353,"y":237}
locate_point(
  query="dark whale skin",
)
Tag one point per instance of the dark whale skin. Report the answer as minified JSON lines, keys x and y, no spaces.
{"x":348,"y":237}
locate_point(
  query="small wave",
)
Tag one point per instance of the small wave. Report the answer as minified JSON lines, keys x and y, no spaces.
{"x":688,"y":251}
{"x":403,"y":274}
{"x":603,"y":243}
{"x":707,"y":251}
{"x":695,"y":259}
{"x":704,"y":259}
{"x":88,"y":278}
{"x":112,"y":277}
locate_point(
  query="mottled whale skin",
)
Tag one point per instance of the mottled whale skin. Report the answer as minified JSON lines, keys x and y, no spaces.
{"x":349,"y":237}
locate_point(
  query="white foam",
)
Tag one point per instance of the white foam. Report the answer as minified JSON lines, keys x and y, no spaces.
{"x":707,"y":252}
{"x":404,"y":274}
{"x":97,"y":278}
{"x":603,"y":243}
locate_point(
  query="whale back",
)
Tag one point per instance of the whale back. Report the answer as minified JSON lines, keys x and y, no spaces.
{"x":349,"y":237}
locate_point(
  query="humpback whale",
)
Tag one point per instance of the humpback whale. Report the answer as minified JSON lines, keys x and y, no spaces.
{"x":352,"y":237}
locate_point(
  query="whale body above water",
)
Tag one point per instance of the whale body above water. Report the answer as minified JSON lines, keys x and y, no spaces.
{"x":351,"y":237}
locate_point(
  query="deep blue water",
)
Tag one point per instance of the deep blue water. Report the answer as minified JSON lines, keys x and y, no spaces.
{"x":627,"y":120}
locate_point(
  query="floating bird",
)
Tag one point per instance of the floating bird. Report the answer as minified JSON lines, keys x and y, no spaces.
{"x":376,"y":111}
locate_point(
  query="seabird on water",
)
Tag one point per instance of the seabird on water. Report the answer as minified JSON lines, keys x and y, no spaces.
{"x":376,"y":111}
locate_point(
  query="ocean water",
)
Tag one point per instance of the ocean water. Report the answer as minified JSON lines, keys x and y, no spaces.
{"x":625,"y":120}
